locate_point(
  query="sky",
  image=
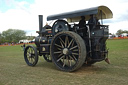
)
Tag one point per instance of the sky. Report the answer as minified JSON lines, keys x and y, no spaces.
{"x":23,"y":14}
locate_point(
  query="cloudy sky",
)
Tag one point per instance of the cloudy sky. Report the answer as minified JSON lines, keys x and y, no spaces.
{"x":23,"y":14}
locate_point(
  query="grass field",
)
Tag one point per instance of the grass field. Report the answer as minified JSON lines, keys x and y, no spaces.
{"x":14,"y":71}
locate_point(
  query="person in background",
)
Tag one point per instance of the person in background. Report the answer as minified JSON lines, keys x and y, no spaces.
{"x":92,"y":22}
{"x":23,"y":46}
{"x":82,"y":25}
{"x":82,"y":22}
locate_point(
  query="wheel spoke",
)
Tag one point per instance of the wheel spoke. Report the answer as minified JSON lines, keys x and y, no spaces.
{"x":75,"y":54}
{"x":60,"y":58}
{"x":27,"y":54}
{"x":73,"y":47}
{"x":71,"y":60}
{"x":57,"y":52}
{"x":58,"y":46}
{"x":74,"y":58}
{"x":70,"y":43}
{"x":63,"y":62}
{"x":28,"y":51}
{"x":31,"y":61}
{"x":75,"y":50}
{"x":59,"y":49}
{"x":60,"y":55}
{"x":32,"y":51}
{"x":66,"y":41}
{"x":28,"y":58}
{"x":62,"y":42}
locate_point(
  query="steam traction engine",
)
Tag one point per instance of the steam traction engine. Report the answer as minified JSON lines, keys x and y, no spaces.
{"x":68,"y":45}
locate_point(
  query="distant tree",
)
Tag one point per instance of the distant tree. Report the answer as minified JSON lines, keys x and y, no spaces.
{"x":110,"y":33}
{"x":119,"y":32}
{"x":0,"y":38}
{"x":125,"y":31}
{"x":13,"y":35}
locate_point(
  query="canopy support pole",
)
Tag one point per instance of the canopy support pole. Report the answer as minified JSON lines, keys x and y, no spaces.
{"x":101,"y":17}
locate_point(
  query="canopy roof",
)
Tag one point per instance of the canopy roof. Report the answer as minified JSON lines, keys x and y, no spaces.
{"x":101,"y":12}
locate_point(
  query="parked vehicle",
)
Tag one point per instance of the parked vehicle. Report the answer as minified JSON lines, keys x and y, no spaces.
{"x":24,"y":41}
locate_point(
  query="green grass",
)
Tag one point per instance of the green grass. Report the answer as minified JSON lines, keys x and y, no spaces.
{"x":14,"y":71}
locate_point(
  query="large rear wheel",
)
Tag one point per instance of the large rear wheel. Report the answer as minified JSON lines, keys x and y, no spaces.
{"x":68,"y":51}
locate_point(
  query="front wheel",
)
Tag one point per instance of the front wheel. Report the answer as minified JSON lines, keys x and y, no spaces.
{"x":68,"y":51}
{"x":31,"y":55}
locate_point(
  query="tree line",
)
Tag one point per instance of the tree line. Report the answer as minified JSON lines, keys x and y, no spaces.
{"x":12,"y":36}
{"x":120,"y":31}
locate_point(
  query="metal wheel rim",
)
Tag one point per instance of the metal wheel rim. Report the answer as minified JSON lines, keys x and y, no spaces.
{"x":66,"y":51}
{"x":30,"y":56}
